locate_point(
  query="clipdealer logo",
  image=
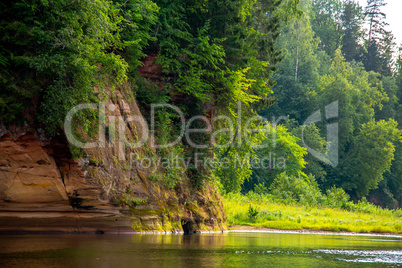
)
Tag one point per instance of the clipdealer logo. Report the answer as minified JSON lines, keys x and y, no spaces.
{"x":117,"y":126}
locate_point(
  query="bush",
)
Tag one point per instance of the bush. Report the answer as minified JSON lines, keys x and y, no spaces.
{"x":260,"y":188}
{"x":336,"y":198}
{"x":252,"y":212}
{"x":301,"y":189}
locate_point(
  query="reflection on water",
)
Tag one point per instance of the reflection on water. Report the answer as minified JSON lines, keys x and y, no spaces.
{"x":200,"y":250}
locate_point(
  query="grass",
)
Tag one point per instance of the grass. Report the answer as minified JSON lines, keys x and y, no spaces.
{"x":259,"y":212}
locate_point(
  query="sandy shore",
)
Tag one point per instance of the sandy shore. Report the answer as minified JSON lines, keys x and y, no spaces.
{"x":247,"y":228}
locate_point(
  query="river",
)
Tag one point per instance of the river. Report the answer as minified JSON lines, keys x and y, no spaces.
{"x":230,"y":249}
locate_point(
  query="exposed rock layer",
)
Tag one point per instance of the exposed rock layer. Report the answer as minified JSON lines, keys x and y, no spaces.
{"x":43,"y":189}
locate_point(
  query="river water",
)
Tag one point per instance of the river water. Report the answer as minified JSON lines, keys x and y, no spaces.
{"x":233,"y":249}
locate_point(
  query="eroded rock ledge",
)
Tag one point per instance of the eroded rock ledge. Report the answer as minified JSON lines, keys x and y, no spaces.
{"x":43,"y":189}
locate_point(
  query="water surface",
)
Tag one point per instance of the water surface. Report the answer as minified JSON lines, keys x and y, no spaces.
{"x":200,"y":250}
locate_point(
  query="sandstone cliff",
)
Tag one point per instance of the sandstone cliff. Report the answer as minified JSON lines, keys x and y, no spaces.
{"x":44,"y":188}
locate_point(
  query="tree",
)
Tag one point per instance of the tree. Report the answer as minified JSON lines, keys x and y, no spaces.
{"x":390,"y":107}
{"x":357,"y":93}
{"x":371,"y":156}
{"x":281,"y":153}
{"x":326,"y":24}
{"x":54,"y":51}
{"x":389,"y":191}
{"x":297,"y":71}
{"x":220,"y":53}
{"x":138,"y":17}
{"x":352,"y":20}
{"x":387,"y":47}
{"x":375,"y":19}
{"x":372,"y":58}
{"x":398,"y":116}
{"x":312,"y":137}
{"x":380,"y":41}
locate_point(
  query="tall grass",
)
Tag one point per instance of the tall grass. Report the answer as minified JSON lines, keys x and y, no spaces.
{"x":264,"y":210}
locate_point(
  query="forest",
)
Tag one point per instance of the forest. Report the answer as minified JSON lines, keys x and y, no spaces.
{"x":338,"y":51}
{"x":283,"y":60}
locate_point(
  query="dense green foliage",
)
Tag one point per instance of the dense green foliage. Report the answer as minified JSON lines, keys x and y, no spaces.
{"x":220,"y":53}
{"x":283,"y":60}
{"x":55,"y":54}
{"x":341,"y":68}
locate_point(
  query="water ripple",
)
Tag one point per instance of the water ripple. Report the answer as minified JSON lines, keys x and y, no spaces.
{"x":366,"y":256}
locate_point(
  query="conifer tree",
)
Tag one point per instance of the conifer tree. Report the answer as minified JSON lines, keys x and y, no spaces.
{"x":374,"y":59}
{"x":352,"y":21}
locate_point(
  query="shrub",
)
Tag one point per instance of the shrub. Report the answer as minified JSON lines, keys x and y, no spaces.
{"x":252,"y":212}
{"x":260,"y":188}
{"x":336,"y":198}
{"x":297,"y":189}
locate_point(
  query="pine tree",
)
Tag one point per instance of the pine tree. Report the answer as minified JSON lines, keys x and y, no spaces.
{"x":399,"y":84}
{"x":387,"y":46}
{"x":372,"y":60}
{"x":352,"y":21}
{"x":379,"y":43}
{"x":375,"y":18}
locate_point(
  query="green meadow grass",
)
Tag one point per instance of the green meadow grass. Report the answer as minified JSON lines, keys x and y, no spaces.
{"x":364,"y":218}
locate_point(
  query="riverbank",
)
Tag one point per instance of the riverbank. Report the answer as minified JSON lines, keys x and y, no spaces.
{"x":247,"y":214}
{"x":251,"y":229}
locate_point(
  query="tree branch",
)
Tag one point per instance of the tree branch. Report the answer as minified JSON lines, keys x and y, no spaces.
{"x":69,"y":4}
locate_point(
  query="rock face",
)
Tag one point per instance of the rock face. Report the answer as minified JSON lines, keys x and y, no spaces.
{"x":27,"y":173}
{"x":42,"y":187}
{"x":39,"y":185}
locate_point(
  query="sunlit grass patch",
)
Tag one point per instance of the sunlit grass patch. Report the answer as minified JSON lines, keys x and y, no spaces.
{"x":294,"y":217}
